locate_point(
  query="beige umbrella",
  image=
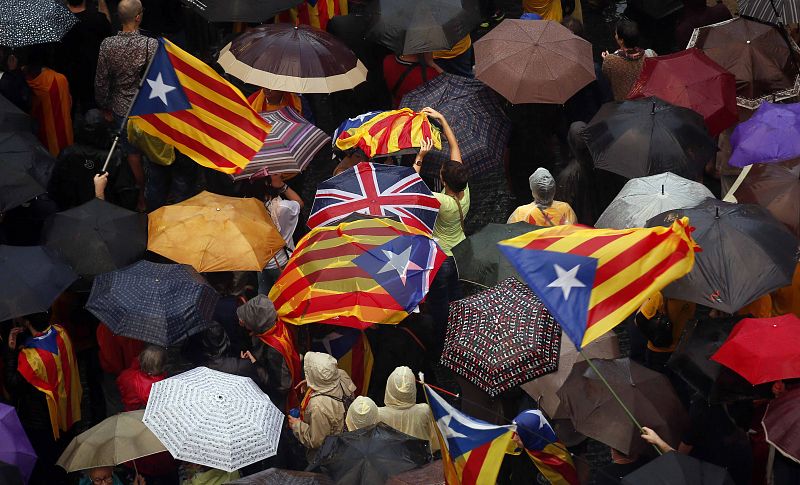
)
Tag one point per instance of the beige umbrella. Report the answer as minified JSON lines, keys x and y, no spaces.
{"x":115,"y":440}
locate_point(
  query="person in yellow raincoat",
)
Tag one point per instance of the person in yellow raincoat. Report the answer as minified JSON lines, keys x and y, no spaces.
{"x":548,"y":9}
{"x":544,"y":211}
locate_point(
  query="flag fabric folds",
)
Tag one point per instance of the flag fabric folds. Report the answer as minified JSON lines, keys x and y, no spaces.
{"x":315,"y":13}
{"x":350,"y":347}
{"x":379,"y":133}
{"x":543,"y":447}
{"x":592,"y":279}
{"x":185,"y":103}
{"x":51,"y":107}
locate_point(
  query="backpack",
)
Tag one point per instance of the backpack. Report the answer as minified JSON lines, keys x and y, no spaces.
{"x":346,"y":400}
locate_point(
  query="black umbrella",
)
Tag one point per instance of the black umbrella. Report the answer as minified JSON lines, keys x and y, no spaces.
{"x":255,"y":11}
{"x":156,"y":303}
{"x":97,"y":237}
{"x":31,"y":278}
{"x":17,"y":186}
{"x":9,"y":474}
{"x":478,"y":259}
{"x":416,"y":26}
{"x":12,"y":118}
{"x":369,"y":455}
{"x":649,"y":136}
{"x":675,"y":468}
{"x":746,"y":253}
{"x":29,"y":22}
{"x":277,"y":476}
{"x":24,"y":151}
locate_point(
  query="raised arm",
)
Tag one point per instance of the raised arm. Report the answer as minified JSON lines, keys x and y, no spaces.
{"x":455,"y":152}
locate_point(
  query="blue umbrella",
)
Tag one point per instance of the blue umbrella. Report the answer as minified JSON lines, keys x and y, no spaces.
{"x":771,"y":135}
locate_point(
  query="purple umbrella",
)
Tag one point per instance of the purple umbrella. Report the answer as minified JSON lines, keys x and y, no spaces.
{"x":771,"y":135}
{"x":15,"y":448}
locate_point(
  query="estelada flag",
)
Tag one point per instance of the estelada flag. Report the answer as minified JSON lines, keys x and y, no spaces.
{"x":592,"y":279}
{"x":541,"y":444}
{"x":185,"y":103}
{"x":315,"y":13}
{"x":380,"y":133}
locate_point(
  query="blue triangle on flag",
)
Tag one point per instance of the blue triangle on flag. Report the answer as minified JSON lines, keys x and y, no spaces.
{"x":161,"y":91}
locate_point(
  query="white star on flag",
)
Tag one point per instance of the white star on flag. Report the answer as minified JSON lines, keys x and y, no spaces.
{"x":400,"y":263}
{"x":566,"y":280}
{"x":159,"y":90}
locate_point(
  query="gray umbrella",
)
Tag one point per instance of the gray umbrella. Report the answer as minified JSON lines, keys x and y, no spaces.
{"x":29,"y":22}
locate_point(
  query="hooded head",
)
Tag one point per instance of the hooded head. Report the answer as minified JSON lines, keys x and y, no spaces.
{"x":543,"y":187}
{"x":214,"y":341}
{"x":362,"y":412}
{"x":401,"y":389}
{"x":322,"y":371}
{"x":257,"y":315}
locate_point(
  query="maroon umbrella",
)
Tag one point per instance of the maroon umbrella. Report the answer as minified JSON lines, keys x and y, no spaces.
{"x":782,"y":424}
{"x":776,"y":187}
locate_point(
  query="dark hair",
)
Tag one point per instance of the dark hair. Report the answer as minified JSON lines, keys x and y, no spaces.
{"x":628,"y":32}
{"x":38,"y":321}
{"x":574,"y":25}
{"x":455,"y":175}
{"x":76,"y":3}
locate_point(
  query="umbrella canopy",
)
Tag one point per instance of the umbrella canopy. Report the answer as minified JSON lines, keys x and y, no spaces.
{"x":23,"y":151}
{"x":12,"y":118}
{"x":417,"y":26}
{"x":215,"y":419}
{"x":474,"y":112}
{"x":691,"y":79}
{"x":782,"y":424}
{"x":293,"y":58}
{"x":596,"y":414}
{"x":501,"y":338}
{"x":776,"y":187}
{"x":656,"y":9}
{"x":15,"y":448}
{"x":157,"y":303}
{"x":766,"y":10}
{"x":115,"y":440}
{"x":255,"y":11}
{"x":741,"y":236}
{"x":377,"y":190}
{"x":534,"y":62}
{"x":772,"y":134}
{"x":10,"y":474}
{"x":290,"y":146}
{"x":478,"y":258}
{"x":430,"y":474}
{"x":29,"y":22}
{"x":647,"y":137}
{"x":763,"y":349}
{"x":213,"y":232}
{"x":756,"y":54}
{"x":31,"y":278}
{"x":643,"y":198}
{"x":369,"y":455}
{"x":276,"y":476}
{"x":17,"y":186}
{"x":675,"y":468}
{"x":96,"y":237}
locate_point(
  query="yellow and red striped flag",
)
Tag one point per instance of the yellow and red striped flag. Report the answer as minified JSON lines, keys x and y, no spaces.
{"x":386,"y":132}
{"x":592,"y":279}
{"x":315,"y":13}
{"x":185,"y":103}
{"x":52,"y":108}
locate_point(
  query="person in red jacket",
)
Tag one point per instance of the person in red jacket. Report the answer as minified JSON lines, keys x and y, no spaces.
{"x":134,"y":383}
{"x":116,"y":354}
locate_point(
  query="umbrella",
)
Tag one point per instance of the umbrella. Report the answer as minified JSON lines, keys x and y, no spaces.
{"x":596,"y":414}
{"x":656,"y":9}
{"x":675,"y":468}
{"x":10,"y":474}
{"x":772,"y":134}
{"x":474,"y":112}
{"x":17,"y":186}
{"x":369,"y":455}
{"x":544,"y":389}
{"x":430,"y":474}
{"x":12,"y":118}
{"x":647,"y":137}
{"x":782,"y":424}
{"x":478,"y":258}
{"x":763,"y":349}
{"x":96,"y":237}
{"x":643,"y":198}
{"x":691,"y":79}
{"x":213,"y":232}
{"x":417,"y":26}
{"x":378,"y":190}
{"x":293,"y":58}
{"x":215,"y":419}
{"x":254,"y":11}
{"x":534,"y":62}
{"x":756,"y":54}
{"x":157,"y":303}
{"x":115,"y":440}
{"x":24,"y":151}
{"x":765,"y":10}
{"x":501,"y":337}
{"x":290,"y":146}
{"x":15,"y":448}
{"x":276,"y":476}
{"x":741,"y":236}
{"x":29,"y":22}
{"x":31,"y":278}
{"x":776,"y":187}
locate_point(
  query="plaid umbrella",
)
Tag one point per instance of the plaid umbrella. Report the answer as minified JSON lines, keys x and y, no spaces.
{"x":501,"y":338}
{"x":29,"y":22}
{"x":289,"y":147}
{"x":157,"y":303}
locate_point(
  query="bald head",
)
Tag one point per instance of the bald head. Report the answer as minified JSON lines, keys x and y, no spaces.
{"x":128,"y":11}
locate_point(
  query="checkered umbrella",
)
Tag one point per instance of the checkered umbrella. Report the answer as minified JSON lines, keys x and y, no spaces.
{"x":157,"y":303}
{"x":29,"y":22}
{"x":501,"y":338}
{"x":214,"y":419}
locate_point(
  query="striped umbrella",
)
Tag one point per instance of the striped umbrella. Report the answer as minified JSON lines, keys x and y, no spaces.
{"x":766,"y":10}
{"x":289,"y":147}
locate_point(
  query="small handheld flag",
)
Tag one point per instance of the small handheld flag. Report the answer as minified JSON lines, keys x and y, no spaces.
{"x":379,"y":133}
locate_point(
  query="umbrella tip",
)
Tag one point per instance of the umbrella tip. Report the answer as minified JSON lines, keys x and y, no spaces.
{"x":662,"y":189}
{"x":717,"y":214}
{"x":654,"y":108}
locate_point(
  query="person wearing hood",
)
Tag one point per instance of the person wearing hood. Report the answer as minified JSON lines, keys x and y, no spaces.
{"x":543,"y":211}
{"x":322,"y":411}
{"x":361,"y":414}
{"x":402,"y":411}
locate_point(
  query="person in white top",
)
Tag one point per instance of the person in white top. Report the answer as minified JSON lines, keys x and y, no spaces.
{"x":283,"y":205}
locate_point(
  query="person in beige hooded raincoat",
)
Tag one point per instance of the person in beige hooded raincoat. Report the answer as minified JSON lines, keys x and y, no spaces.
{"x":402,"y":411}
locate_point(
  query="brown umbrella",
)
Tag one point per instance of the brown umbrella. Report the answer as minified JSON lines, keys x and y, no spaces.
{"x":596,"y":414}
{"x":782,"y":424}
{"x":534,"y":61}
{"x":756,"y":54}
{"x":776,"y":187}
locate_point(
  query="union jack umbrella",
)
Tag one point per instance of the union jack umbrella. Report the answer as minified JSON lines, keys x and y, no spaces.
{"x":377,"y":190}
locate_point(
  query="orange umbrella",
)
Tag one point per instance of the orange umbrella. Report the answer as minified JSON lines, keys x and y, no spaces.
{"x":212,"y":232}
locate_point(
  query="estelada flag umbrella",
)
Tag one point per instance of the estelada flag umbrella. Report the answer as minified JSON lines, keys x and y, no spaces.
{"x":213,"y":232}
{"x":776,"y":187}
{"x":691,"y":79}
{"x":772,"y":134}
{"x":782,"y":424}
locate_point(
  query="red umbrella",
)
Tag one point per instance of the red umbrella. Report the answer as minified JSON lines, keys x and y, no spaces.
{"x":782,"y":424}
{"x":763,"y":349}
{"x":692,"y":80}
